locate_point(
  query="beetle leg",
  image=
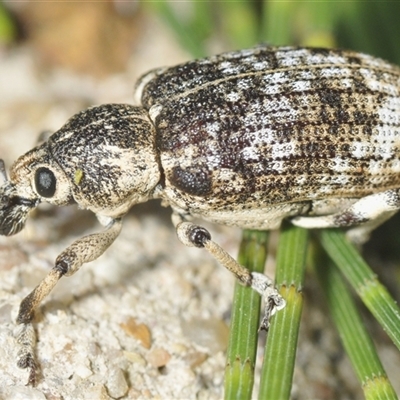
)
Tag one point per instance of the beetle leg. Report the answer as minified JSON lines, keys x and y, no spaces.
{"x":365,"y":214}
{"x":196,"y":236}
{"x":83,"y":250}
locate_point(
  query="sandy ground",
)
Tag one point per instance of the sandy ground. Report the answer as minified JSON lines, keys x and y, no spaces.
{"x":149,"y":319}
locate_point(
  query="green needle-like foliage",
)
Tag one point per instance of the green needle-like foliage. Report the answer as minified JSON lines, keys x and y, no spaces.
{"x":239,"y":372}
{"x":280,"y":351}
{"x":355,"y":339}
{"x":374,"y":295}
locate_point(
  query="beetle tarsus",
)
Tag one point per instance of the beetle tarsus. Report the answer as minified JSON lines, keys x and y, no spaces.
{"x":26,"y":355}
{"x":273,"y":300}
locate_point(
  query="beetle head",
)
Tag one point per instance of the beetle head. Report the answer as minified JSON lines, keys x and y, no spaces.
{"x":103,"y":158}
{"x":34,"y":178}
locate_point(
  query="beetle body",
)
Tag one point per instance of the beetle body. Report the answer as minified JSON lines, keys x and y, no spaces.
{"x":249,"y":137}
{"x":245,"y":138}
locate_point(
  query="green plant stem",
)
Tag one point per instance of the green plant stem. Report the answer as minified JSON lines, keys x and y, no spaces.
{"x":374,"y":295}
{"x":280,"y":351}
{"x":239,"y":371}
{"x":355,"y":339}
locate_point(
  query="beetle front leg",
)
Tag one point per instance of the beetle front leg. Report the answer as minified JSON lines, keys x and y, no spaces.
{"x":83,"y":250}
{"x":196,"y":236}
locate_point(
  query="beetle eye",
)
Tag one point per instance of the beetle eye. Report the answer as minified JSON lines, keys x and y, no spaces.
{"x":45,"y":182}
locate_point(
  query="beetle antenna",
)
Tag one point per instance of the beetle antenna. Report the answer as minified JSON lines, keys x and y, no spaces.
{"x":3,"y":172}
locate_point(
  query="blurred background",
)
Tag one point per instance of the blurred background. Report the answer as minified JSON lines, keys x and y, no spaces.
{"x":99,"y":38}
{"x":59,"y":57}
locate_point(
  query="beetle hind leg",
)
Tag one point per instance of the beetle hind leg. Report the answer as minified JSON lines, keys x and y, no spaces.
{"x":362,"y":217}
{"x":196,"y":236}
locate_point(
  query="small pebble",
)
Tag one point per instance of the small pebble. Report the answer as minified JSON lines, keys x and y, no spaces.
{"x":195,"y":359}
{"x":140,"y":332}
{"x":211,"y":333}
{"x":134,"y":358}
{"x":116,"y":384}
{"x":158,"y":357}
{"x":82,"y":371}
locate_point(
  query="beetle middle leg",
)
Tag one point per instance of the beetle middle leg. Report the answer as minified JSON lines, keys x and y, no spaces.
{"x":196,"y":236}
{"x":364,"y":215}
{"x":83,"y":250}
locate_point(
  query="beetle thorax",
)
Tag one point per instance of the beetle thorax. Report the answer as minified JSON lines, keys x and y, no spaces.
{"x":108,"y":153}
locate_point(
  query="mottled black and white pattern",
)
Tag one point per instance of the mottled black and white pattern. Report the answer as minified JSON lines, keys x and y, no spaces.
{"x":265,"y":126}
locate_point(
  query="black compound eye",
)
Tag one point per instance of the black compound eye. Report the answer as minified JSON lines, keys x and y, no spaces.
{"x":45,"y":182}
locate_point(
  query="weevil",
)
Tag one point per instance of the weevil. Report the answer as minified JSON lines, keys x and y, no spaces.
{"x":246,"y":138}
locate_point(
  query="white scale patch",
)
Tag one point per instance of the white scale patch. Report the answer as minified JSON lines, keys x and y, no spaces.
{"x":233,"y":96}
{"x":361,"y":149}
{"x":335,"y":72}
{"x":275,"y":78}
{"x":277,"y":108}
{"x":339,"y":165}
{"x":244,"y":84}
{"x":283,"y":150}
{"x":347,"y":83}
{"x":300,"y":86}
{"x":375,"y":82}
{"x":334,"y":59}
{"x":306,"y":74}
{"x":288,"y":59}
{"x":250,"y":154}
{"x":395,"y":165}
{"x":227,"y":68}
{"x":340,"y":179}
{"x":260,"y":66}
{"x":389,"y":113}
{"x":375,"y":167}
{"x":301,"y":180}
{"x":213,"y":128}
{"x":278,"y":166}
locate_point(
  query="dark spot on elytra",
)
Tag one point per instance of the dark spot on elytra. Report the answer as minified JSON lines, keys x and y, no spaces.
{"x":354,"y":60}
{"x":345,"y":147}
{"x":330,"y":97}
{"x":360,"y":117}
{"x":331,"y":149}
{"x":334,"y":129}
{"x":359,"y":85}
{"x":325,"y":115}
{"x":367,"y":130}
{"x":194,"y":180}
{"x":272,"y":60}
{"x":342,"y":116}
{"x":285,"y":134}
{"x":321,"y":50}
{"x":311,"y":148}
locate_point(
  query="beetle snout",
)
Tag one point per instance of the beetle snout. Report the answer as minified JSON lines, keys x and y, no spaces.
{"x":13,"y":212}
{"x":14,"y":209}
